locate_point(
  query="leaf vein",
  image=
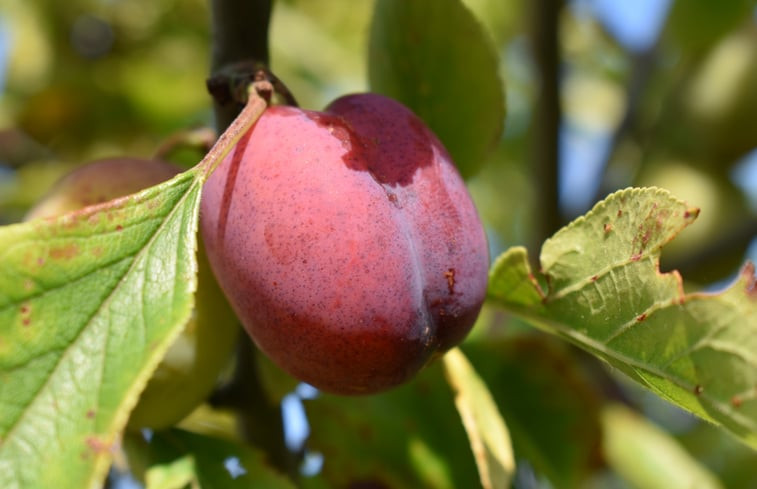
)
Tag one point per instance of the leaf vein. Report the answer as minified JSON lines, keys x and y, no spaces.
{"x":604,"y":350}
{"x":10,"y":434}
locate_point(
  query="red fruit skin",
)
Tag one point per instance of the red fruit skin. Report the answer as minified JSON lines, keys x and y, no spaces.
{"x":346,"y":242}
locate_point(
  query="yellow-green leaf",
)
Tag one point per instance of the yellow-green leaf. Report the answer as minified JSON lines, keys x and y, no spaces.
{"x":487,"y":432}
{"x":89,"y":303}
{"x":606,"y":294}
{"x":648,"y":457}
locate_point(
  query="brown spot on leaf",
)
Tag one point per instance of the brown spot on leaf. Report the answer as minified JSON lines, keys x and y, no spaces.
{"x":736,"y":401}
{"x":65,"y":253}
{"x":645,"y":237}
{"x":692,"y":213}
{"x":594,"y":278}
{"x":620,"y":212}
{"x":97,"y":445}
{"x":119,"y":227}
{"x":607,"y":227}
{"x":652,"y":226}
{"x":698,"y":389}
{"x":25,"y":311}
{"x":90,"y":414}
{"x":641,"y":317}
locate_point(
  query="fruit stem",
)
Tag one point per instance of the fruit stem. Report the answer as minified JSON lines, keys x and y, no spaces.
{"x":259,"y":95}
{"x":224,"y":86}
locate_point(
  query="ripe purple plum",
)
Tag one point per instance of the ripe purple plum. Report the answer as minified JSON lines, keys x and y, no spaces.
{"x":191,"y":366}
{"x":347,"y":242}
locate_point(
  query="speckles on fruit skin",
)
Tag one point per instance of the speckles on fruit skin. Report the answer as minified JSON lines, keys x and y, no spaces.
{"x":362,"y":223}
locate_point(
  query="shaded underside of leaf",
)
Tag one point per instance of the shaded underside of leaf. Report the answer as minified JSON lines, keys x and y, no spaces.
{"x":408,"y":437}
{"x":89,"y":302}
{"x":545,"y":395}
{"x":434,"y":57}
{"x":607,"y":295}
{"x":207,"y":461}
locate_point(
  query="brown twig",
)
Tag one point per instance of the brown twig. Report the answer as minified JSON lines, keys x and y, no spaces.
{"x":257,"y":101}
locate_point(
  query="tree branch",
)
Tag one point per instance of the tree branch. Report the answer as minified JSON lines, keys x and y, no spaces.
{"x":547,"y":114}
{"x":260,"y":420}
{"x":240,"y":37}
{"x":239,"y":34}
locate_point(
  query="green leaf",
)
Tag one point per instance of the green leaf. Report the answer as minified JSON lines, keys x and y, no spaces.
{"x":89,"y":303}
{"x":606,"y":294}
{"x":174,"y":458}
{"x":172,"y":475}
{"x":723,"y":454}
{"x":545,"y":395}
{"x":408,"y":437}
{"x":646,"y":456}
{"x":433,"y":56}
{"x":697,"y":24}
{"x":488,"y":435}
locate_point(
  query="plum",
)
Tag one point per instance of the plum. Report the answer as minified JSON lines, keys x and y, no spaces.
{"x":100,"y":181}
{"x":192,"y":364}
{"x":346,"y":242}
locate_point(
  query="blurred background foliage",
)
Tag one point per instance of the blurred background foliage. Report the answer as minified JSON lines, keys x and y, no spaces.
{"x":653,"y":92}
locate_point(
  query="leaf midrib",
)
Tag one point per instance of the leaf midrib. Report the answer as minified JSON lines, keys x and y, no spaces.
{"x":612,"y":354}
{"x":19,"y":421}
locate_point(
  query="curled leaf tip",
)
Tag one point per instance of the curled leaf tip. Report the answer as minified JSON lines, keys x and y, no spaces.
{"x":691,"y":213}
